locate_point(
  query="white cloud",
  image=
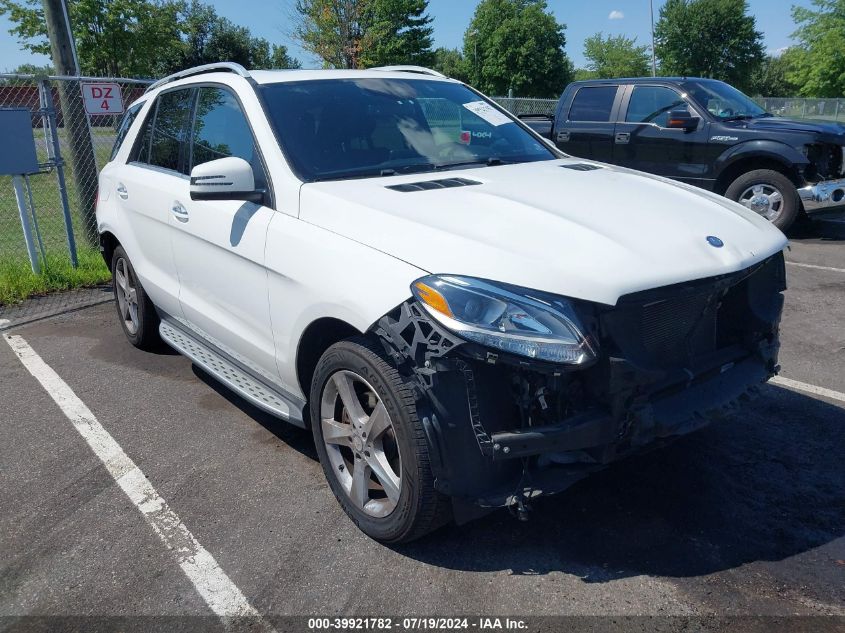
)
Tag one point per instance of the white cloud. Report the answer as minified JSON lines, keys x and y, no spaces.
{"x":615,"y":15}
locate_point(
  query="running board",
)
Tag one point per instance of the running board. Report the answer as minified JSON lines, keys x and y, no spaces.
{"x":227,"y":372}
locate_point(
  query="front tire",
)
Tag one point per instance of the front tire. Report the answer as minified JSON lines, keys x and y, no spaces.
{"x":768,"y":193}
{"x":138,"y":316}
{"x":372,"y":445}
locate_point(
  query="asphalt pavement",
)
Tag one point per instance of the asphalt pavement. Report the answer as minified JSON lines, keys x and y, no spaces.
{"x":744,"y":518}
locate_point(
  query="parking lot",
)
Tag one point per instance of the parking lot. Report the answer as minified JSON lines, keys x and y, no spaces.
{"x":744,"y":518}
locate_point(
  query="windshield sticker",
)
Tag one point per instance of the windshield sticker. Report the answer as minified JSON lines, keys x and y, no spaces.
{"x":465,"y":137}
{"x":487,"y":112}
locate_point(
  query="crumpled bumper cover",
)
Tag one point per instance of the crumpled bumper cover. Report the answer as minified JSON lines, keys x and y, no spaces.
{"x":504,"y":429}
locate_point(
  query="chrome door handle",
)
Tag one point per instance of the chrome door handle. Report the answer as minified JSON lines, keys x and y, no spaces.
{"x":179,"y":211}
{"x":121,"y":191}
{"x":623,"y":137}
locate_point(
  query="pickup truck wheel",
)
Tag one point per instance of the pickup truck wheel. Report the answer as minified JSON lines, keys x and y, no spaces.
{"x":138,"y":316}
{"x":768,"y":193}
{"x":372,"y":445}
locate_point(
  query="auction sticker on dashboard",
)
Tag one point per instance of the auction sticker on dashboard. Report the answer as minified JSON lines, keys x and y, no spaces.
{"x":487,"y":112}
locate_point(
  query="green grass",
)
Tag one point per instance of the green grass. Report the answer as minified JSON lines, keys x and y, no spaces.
{"x":17,"y":281}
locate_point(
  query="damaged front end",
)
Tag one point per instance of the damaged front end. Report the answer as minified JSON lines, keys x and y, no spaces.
{"x":504,"y":428}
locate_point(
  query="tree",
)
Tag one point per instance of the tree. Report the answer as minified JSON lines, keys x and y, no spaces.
{"x":616,"y":56}
{"x":364,"y":33}
{"x":146,"y":38}
{"x":819,"y":62}
{"x":113,"y":37}
{"x":397,"y":32}
{"x":709,"y":38}
{"x":452,"y":63}
{"x":516,"y":44}
{"x":332,"y":30}
{"x":207,"y":38}
{"x":771,"y":79}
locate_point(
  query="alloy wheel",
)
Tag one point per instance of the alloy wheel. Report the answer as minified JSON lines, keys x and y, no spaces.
{"x":127,"y":295}
{"x":361,"y":443}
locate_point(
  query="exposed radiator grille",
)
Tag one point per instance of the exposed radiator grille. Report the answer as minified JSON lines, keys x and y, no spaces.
{"x":674,"y":327}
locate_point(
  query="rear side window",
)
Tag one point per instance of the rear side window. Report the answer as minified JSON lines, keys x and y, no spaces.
{"x":592,"y":104}
{"x":123,"y":129}
{"x":221,"y":130}
{"x":652,"y":104}
{"x":170,"y":129}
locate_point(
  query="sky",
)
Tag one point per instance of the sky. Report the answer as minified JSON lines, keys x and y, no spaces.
{"x":270,"y":19}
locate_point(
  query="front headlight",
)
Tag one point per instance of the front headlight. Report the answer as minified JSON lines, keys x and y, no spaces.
{"x":513,"y":320}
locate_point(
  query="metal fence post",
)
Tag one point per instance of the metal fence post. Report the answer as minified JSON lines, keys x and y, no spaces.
{"x":55,"y":154}
{"x":17,"y":182}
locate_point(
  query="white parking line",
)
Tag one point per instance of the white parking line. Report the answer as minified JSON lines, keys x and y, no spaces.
{"x":3,"y":322}
{"x":219,"y":592}
{"x":817,"y":267}
{"x":806,"y":388}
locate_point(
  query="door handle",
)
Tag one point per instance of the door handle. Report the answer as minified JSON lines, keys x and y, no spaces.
{"x":179,"y":211}
{"x":623,"y":137}
{"x":562,"y":137}
{"x":121,"y":191}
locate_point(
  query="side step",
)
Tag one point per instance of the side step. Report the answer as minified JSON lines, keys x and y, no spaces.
{"x":230,"y":374}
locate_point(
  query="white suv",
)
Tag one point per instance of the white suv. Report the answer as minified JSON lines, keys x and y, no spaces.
{"x":465,"y":317}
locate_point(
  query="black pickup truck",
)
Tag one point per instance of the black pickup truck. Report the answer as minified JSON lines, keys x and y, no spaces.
{"x":706,"y":133}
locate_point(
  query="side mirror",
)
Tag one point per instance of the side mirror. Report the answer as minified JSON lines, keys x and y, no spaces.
{"x":225,"y":179}
{"x":682,"y":120}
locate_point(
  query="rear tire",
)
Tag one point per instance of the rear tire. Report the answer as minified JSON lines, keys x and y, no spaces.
{"x":398,"y":502}
{"x":138,"y":316}
{"x":768,"y":193}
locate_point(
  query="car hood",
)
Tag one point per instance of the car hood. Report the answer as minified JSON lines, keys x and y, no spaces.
{"x":594,"y":235}
{"x":781,"y":124}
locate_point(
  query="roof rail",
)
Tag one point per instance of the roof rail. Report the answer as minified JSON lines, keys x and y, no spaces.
{"x":219,"y":67}
{"x":419,"y":70}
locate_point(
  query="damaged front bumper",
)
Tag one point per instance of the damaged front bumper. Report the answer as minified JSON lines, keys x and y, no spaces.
{"x":823,"y":197}
{"x":504,"y":429}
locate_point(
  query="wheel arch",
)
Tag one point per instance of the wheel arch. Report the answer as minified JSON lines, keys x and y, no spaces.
{"x":108,"y":244}
{"x":741,"y":159}
{"x":316,"y":338}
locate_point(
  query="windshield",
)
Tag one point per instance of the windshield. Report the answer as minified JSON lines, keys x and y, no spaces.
{"x":352,"y":128}
{"x":722,"y":100}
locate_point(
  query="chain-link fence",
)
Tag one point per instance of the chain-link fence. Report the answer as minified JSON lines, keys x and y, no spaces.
{"x":60,"y":199}
{"x":792,"y":107}
{"x":823,"y":109}
{"x":526,"y":105}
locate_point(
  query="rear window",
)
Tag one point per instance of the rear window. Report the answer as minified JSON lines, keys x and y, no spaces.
{"x":592,"y":104}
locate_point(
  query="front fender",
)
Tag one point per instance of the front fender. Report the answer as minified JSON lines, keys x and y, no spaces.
{"x":785,"y":154}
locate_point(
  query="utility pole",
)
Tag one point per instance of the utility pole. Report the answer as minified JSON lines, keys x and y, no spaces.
{"x":653,"y":55}
{"x":77,"y":131}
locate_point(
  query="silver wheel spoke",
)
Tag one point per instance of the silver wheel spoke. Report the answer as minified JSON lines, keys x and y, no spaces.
{"x":775,"y":197}
{"x":377,"y":423}
{"x":757,"y":189}
{"x":346,"y":390}
{"x":360,"y":490}
{"x":336,"y":433}
{"x":120,"y":278}
{"x":384,"y":473}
